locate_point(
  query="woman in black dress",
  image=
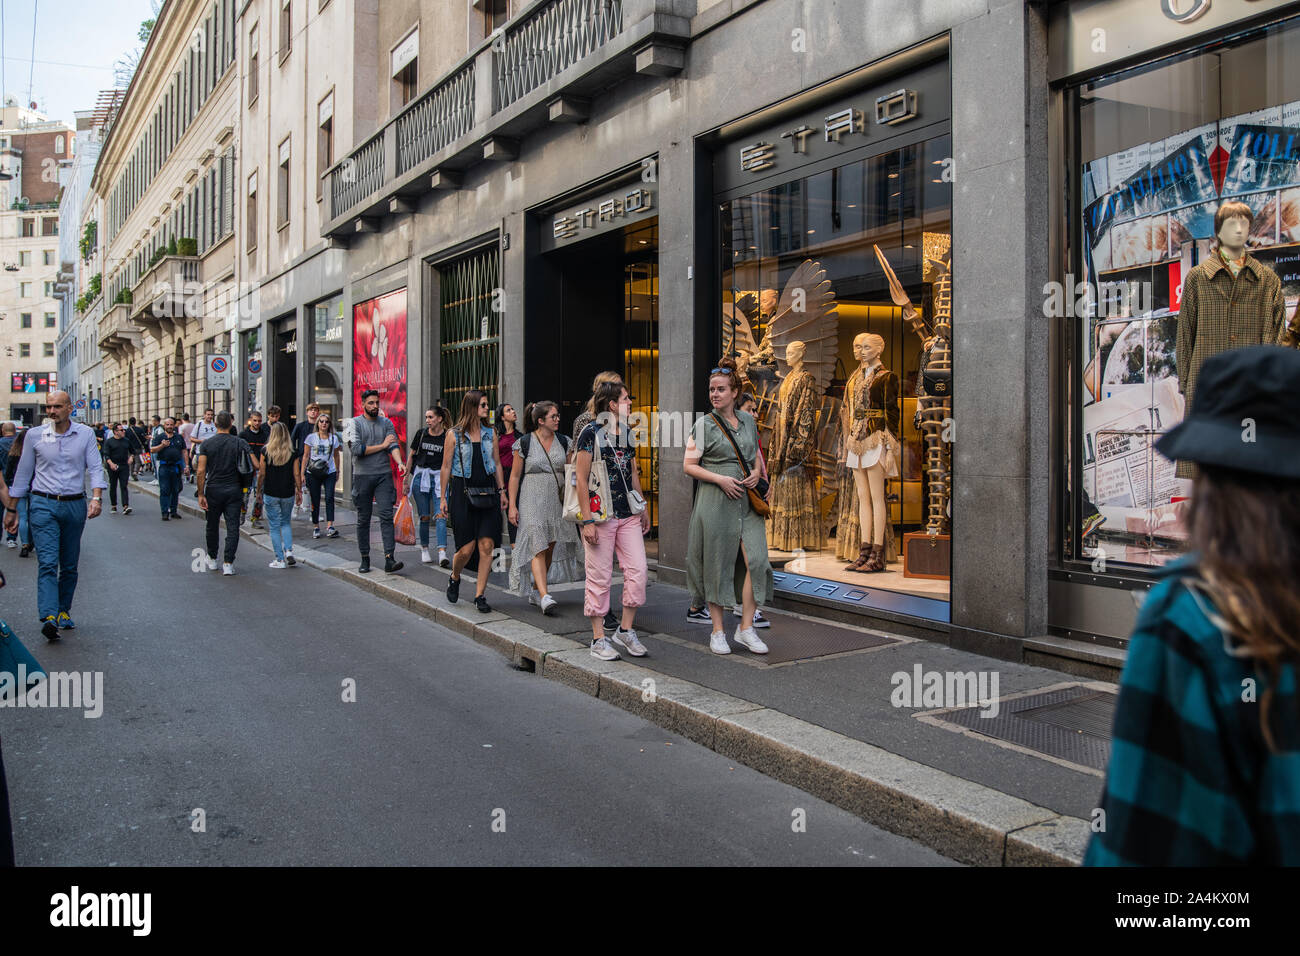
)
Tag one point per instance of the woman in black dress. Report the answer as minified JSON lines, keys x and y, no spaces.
{"x":472,"y":494}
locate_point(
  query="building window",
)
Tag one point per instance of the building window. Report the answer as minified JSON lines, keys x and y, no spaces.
{"x":1159,"y":149}
{"x":286,"y":28}
{"x":24,"y":290}
{"x":324,"y":140}
{"x":251,"y":216}
{"x":24,"y":350}
{"x":252,"y":64}
{"x":404,"y":68}
{"x":49,"y":226}
{"x":28,"y":227}
{"x":282,"y":187}
{"x":49,"y":320}
{"x":49,"y":288}
{"x":25,"y":258}
{"x":58,"y":145}
{"x":495,"y":14}
{"x":47,"y":257}
{"x":25,"y":321}
{"x":48,"y":349}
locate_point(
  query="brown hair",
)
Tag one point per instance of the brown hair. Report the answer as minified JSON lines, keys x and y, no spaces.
{"x":605,"y":393}
{"x":1233,"y":210}
{"x":1248,"y":574}
{"x":535,"y":412}
{"x":728,"y":367}
{"x":468,"y":410}
{"x":602,"y":378}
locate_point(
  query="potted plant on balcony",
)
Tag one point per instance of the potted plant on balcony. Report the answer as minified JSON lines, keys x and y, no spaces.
{"x":187,"y":246}
{"x":171,"y":247}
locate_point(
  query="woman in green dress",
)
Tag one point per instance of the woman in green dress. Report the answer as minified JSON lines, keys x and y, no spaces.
{"x":727,"y":546}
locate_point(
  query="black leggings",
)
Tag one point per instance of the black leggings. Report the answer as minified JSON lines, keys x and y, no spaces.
{"x":314,"y":486}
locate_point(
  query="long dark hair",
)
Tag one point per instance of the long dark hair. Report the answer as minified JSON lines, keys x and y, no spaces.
{"x":16,"y":448}
{"x":468,"y":410}
{"x":1245,"y":529}
{"x":443,"y":415}
{"x":501,"y":420}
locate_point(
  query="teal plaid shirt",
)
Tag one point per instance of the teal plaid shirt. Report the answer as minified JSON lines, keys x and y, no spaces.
{"x":1191,"y":781}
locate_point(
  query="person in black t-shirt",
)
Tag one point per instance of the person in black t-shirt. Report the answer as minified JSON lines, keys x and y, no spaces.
{"x":257,"y":435}
{"x":118,"y":459}
{"x":221,"y":489}
{"x":425,"y":479}
{"x":171,"y":461}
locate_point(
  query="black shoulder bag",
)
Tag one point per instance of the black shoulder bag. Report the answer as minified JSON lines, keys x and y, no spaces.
{"x":482,"y":498}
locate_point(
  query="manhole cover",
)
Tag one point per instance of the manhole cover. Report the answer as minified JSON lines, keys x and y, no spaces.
{"x":1071,"y":724}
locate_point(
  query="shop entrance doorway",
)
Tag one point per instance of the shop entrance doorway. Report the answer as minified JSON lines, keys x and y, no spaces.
{"x":284,"y":375}
{"x":593,"y":306}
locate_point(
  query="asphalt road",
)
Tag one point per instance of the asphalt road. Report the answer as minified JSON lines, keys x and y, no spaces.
{"x":226,"y":695}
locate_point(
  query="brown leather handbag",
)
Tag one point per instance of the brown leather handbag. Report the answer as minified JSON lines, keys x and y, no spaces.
{"x":757,"y":496}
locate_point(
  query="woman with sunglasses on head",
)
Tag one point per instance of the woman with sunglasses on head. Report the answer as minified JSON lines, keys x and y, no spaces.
{"x":424,"y":481}
{"x":547,"y":548}
{"x":726,"y":551}
{"x":623,"y":533}
{"x":472,"y":494}
{"x":319,"y":464}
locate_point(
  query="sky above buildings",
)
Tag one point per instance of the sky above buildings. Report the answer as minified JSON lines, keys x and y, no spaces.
{"x":77,"y":43}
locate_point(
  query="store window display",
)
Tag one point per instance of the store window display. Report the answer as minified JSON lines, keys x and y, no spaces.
{"x":817,"y":309}
{"x":1189,"y":245}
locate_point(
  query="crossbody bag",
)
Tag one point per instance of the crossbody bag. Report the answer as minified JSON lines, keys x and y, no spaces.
{"x":482,"y":497}
{"x":757,"y":495}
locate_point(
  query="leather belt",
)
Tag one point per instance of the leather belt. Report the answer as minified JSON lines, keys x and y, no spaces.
{"x":76,"y":497}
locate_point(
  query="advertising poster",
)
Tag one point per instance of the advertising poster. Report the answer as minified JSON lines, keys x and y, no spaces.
{"x":379,"y":358}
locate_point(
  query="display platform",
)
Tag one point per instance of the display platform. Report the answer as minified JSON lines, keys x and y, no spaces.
{"x":824,"y":564}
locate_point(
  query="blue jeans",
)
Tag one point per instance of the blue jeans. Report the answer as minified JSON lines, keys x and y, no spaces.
{"x":169,"y":487}
{"x":278,"y":511}
{"x":56,"y":532}
{"x":425,"y":505}
{"x":24,"y":535}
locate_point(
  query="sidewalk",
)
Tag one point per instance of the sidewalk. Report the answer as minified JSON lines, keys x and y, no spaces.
{"x":817,"y":712}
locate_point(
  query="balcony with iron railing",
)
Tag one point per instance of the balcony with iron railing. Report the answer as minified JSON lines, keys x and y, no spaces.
{"x":542,"y":67}
{"x":167,"y":294}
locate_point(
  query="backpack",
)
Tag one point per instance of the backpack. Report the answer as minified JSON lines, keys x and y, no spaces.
{"x":526,"y":443}
{"x":244,"y":466}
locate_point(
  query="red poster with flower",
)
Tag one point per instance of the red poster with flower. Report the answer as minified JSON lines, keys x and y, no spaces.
{"x":379,"y":358}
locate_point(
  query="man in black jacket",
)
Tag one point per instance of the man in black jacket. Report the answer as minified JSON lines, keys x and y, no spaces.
{"x":118,"y":459}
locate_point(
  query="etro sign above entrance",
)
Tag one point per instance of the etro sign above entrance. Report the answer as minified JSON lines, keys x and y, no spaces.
{"x":1090,"y":34}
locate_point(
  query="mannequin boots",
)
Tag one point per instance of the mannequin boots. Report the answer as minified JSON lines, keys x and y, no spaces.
{"x":864,"y":555}
{"x":876,"y":561}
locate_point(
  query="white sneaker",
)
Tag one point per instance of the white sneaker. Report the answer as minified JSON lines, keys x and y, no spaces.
{"x":211,"y":562}
{"x":274,"y":564}
{"x":227,"y":569}
{"x":601,"y":650}
{"x":548,"y":605}
{"x":532,"y":598}
{"x":11,"y":544}
{"x":628,"y":641}
{"x":425,"y":557}
{"x":748,"y":639}
{"x":718,"y":643}
{"x":442,"y":558}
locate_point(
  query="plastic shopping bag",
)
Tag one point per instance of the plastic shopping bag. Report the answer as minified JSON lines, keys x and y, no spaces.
{"x":404,"y":522}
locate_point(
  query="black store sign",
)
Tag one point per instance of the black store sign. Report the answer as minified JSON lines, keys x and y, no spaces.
{"x":823,"y":134}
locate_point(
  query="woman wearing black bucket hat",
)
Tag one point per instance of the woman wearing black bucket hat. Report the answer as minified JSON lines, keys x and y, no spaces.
{"x":1205,"y":755}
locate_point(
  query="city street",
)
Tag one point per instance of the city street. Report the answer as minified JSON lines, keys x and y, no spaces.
{"x":226,"y":694}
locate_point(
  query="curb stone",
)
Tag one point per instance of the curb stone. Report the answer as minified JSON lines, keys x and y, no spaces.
{"x":961,"y":819}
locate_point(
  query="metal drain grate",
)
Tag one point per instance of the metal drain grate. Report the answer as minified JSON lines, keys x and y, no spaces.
{"x":1071,"y":724}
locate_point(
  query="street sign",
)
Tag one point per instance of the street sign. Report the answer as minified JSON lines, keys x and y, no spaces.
{"x":96,"y":404}
{"x":255,"y":365}
{"x":81,"y":403}
{"x":218,"y":373}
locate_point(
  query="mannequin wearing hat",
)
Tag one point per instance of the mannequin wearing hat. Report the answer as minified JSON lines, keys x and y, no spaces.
{"x":795,"y":521}
{"x":1230,"y":300}
{"x":870,"y":425}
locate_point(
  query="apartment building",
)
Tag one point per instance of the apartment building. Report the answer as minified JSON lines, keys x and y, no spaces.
{"x":33,"y":151}
{"x":166,"y":176}
{"x":81,"y":371}
{"x":299,"y":67}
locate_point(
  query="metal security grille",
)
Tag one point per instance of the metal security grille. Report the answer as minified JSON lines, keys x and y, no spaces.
{"x":470,"y":326}
{"x":439,"y":117}
{"x":554,"y":37}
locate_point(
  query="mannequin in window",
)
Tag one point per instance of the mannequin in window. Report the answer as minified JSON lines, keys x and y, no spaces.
{"x":795,"y":521}
{"x":870,"y":426}
{"x":1230,"y":300}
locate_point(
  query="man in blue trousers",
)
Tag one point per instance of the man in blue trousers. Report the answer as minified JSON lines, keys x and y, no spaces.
{"x":52,"y":477}
{"x":171,"y":460}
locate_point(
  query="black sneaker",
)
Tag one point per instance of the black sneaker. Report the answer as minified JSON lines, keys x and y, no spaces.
{"x":392,"y":566}
{"x":611,"y":621}
{"x":166,"y":517}
{"x":481,"y":603}
{"x":289,"y":560}
{"x":453,"y":590}
{"x":49,"y":628}
{"x":365,"y":564}
{"x":176,"y":515}
{"x":698,"y":615}
{"x":332,"y":533}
